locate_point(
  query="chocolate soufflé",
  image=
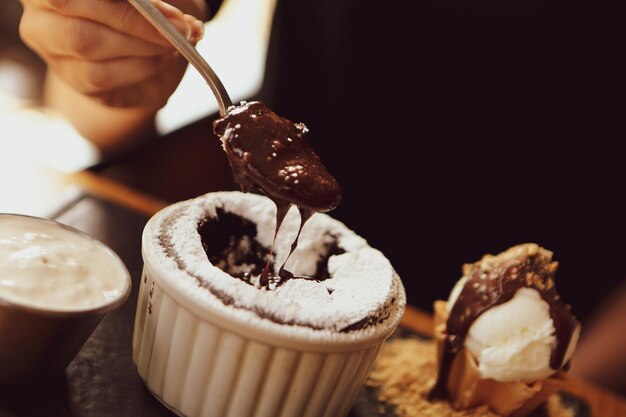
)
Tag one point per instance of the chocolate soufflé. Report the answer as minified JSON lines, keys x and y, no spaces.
{"x":212,"y":338}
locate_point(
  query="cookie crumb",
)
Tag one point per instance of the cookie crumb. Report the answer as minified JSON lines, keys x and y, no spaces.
{"x":404,"y":373}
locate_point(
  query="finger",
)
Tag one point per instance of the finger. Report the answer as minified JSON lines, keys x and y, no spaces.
{"x":81,"y":38}
{"x":95,"y":77}
{"x":197,"y":8}
{"x":118,"y":15}
{"x":152,"y":93}
{"x":197,"y":29}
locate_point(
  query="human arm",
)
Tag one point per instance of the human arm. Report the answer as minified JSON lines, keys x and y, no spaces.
{"x":109,"y":70}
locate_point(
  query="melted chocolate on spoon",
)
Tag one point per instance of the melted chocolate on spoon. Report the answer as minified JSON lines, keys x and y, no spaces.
{"x":494,"y":283}
{"x":270,"y":152}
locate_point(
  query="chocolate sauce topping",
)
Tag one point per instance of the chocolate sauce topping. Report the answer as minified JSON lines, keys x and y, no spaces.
{"x":494,"y":280}
{"x":232,"y":232}
{"x":231,"y":245}
{"x":269,"y":152}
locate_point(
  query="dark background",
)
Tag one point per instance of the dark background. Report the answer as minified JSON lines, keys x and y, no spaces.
{"x":459,"y":128}
{"x":456,"y":128}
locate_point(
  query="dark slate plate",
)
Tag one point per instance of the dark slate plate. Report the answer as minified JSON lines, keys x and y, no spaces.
{"x":102,"y":380}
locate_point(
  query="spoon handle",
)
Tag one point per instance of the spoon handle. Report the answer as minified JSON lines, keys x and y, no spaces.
{"x":160,"y":22}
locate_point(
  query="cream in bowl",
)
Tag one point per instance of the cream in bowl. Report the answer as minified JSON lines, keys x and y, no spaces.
{"x":56,"y":284}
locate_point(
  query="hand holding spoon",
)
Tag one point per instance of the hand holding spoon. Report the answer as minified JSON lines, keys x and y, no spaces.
{"x":264,"y":149}
{"x":167,"y":29}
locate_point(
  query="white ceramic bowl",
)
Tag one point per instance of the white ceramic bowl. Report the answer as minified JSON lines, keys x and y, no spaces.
{"x":203,"y":358}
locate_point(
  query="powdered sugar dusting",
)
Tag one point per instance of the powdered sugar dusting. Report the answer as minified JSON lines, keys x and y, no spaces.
{"x":362,"y":287}
{"x":227,"y":134}
{"x":243,"y":106}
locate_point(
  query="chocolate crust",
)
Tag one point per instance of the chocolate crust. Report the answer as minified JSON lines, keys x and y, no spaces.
{"x":167,"y":245}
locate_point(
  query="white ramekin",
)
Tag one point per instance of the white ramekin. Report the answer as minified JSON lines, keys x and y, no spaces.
{"x":200,"y":361}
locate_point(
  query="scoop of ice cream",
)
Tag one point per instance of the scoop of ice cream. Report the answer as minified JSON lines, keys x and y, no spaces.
{"x":513,"y":341}
{"x":513,"y":337}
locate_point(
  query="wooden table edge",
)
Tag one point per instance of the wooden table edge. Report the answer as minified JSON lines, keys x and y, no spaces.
{"x":117,"y":193}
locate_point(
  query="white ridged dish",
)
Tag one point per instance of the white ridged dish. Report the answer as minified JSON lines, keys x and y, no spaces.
{"x":202,"y":363}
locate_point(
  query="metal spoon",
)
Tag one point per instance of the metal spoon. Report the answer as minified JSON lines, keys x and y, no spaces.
{"x":160,"y":22}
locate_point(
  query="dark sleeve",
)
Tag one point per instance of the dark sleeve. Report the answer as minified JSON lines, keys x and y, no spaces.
{"x":214,"y":6}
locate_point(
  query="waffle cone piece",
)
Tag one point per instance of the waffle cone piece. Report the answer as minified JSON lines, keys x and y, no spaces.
{"x":467,"y":389}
